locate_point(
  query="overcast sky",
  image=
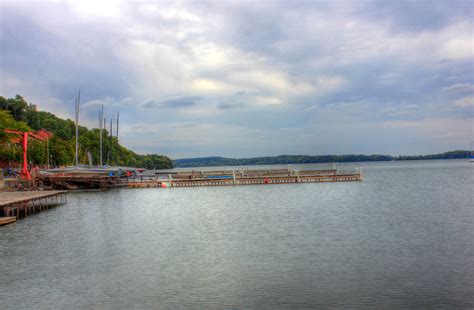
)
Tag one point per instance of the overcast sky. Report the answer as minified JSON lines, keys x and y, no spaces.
{"x":248,"y":78}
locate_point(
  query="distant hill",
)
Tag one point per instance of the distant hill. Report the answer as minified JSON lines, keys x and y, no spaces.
{"x":307,"y":159}
{"x":16,"y":113}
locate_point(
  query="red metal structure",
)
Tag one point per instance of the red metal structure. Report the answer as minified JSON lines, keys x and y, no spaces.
{"x":23,"y":139}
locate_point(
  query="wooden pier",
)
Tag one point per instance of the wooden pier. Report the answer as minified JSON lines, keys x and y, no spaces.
{"x":25,"y":203}
{"x":244,"y":177}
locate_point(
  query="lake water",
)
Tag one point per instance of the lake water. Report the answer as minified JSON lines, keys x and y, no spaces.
{"x":402,"y":238}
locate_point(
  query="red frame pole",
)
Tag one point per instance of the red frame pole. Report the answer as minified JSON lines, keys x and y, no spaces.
{"x":25,"y":174}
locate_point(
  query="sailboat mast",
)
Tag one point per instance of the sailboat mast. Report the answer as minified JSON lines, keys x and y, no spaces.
{"x":118,"y":117}
{"x":104,"y":125}
{"x":111,"y":140}
{"x":101,"y":115}
{"x":77,"y":127}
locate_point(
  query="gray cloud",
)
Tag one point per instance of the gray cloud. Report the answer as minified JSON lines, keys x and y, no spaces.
{"x":459,"y":88}
{"x":230,"y":105}
{"x":239,"y":72}
{"x":420,"y":15}
{"x":174,"y":103}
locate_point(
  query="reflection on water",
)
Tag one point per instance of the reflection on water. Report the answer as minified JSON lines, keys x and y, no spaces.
{"x":401,"y":238}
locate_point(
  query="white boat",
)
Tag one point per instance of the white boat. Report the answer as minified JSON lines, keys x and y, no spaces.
{"x":86,"y":169}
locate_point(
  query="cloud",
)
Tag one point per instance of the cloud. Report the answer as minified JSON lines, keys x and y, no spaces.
{"x":436,"y":127}
{"x":459,"y":88}
{"x":417,"y":16}
{"x":249,"y":70}
{"x":211,"y":86}
{"x":174,"y":103}
{"x":229,"y":106}
{"x":465,"y":102}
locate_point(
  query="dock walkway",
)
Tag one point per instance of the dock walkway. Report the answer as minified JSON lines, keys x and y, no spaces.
{"x":24,"y":203}
{"x":8,"y":198}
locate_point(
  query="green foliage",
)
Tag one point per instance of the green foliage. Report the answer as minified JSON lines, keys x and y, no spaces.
{"x":61,"y":151}
{"x":17,"y":106}
{"x":9,"y":151}
{"x":458,"y":154}
{"x":152,"y":160}
{"x":8,"y":122}
{"x":16,"y":113}
{"x":65,"y":129}
{"x":36,"y":151}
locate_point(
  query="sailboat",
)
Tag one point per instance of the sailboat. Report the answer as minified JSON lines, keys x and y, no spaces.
{"x":91,"y":169}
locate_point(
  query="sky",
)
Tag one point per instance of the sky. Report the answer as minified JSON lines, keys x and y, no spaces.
{"x":251,"y":78}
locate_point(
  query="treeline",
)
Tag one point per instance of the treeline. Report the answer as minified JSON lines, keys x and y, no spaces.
{"x":17,"y":114}
{"x":306,"y":159}
{"x":458,"y":154}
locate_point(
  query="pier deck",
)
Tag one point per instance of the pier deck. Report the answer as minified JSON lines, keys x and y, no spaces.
{"x":244,"y":177}
{"x":7,"y":198}
{"x":24,"y":203}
